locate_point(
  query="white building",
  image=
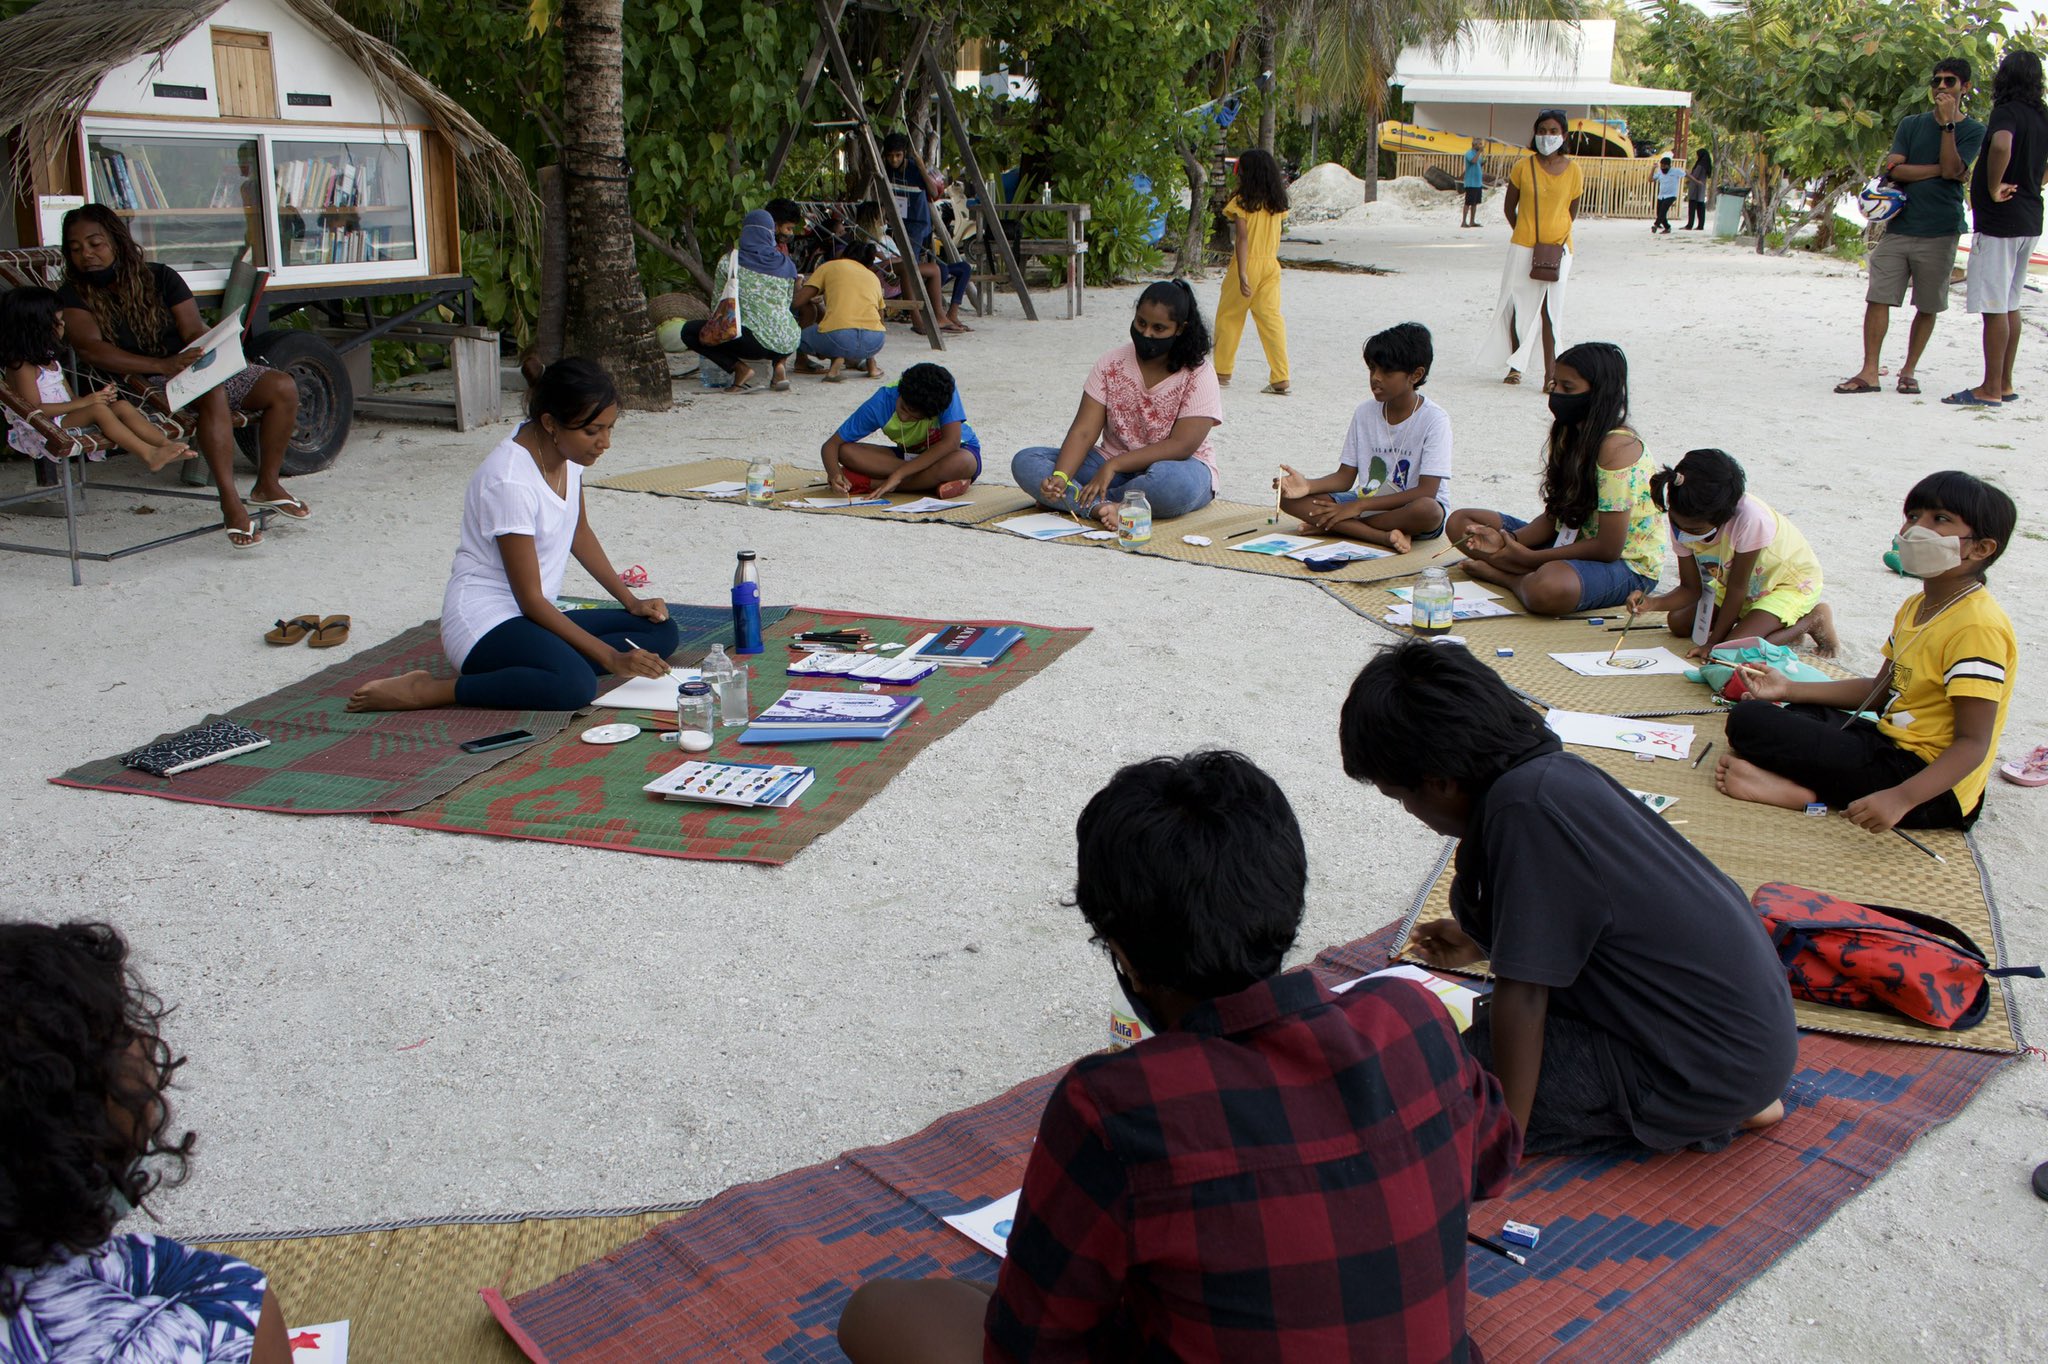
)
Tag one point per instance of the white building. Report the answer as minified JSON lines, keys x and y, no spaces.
{"x":1494,"y":78}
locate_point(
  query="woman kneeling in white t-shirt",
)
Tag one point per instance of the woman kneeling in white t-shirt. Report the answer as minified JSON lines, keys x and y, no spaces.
{"x":522,"y":518}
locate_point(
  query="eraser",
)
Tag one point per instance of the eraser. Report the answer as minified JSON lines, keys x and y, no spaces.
{"x":1520,"y":1234}
{"x":1596,"y":620}
{"x":1503,"y":653}
{"x":1817,"y":808}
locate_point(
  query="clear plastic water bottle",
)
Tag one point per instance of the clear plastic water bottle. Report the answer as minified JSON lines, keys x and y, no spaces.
{"x":1134,"y":521}
{"x":733,"y":704}
{"x":746,"y":606}
{"x":717,"y":670}
{"x":1431,"y":603}
{"x":760,"y":482}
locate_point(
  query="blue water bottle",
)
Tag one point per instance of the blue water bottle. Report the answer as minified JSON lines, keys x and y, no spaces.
{"x":746,"y":606}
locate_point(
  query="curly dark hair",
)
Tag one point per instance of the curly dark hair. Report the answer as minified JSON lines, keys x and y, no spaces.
{"x":132,"y":302}
{"x":2018,"y":79}
{"x":1571,"y":467}
{"x":1706,"y":485}
{"x":1261,"y":186}
{"x":28,"y":327}
{"x":926,"y":389}
{"x":83,"y":1076}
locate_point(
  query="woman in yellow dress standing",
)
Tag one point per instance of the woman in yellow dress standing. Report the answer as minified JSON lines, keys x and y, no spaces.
{"x":1256,"y":213}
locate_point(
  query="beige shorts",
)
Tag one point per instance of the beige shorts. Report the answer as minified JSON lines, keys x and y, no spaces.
{"x":1927,"y":261}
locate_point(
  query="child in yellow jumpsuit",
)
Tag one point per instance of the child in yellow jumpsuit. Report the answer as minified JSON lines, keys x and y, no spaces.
{"x":1256,"y":212}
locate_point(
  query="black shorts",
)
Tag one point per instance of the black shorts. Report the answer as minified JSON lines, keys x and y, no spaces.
{"x":1839,"y":762}
{"x":1473,"y":196}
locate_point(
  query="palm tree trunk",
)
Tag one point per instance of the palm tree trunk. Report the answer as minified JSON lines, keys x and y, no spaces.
{"x":606,"y":308}
{"x":1269,"y":102}
{"x":1373,"y":109}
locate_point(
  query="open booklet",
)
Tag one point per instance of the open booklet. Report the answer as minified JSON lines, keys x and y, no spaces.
{"x":220,"y":359}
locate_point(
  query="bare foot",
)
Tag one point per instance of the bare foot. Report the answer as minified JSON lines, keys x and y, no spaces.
{"x":1741,"y":779}
{"x":1826,"y":642}
{"x":1764,"y":1119}
{"x":156,"y":457}
{"x":416,"y":690}
{"x":1105,"y":512}
{"x":1398,"y":541}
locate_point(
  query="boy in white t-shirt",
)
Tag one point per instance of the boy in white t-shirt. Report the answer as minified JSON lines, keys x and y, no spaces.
{"x":1394,"y":471}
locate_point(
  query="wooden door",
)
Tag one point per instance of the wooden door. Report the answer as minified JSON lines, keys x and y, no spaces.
{"x":245,"y":80}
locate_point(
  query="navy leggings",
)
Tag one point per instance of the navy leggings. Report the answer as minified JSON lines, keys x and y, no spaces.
{"x":521,"y":665}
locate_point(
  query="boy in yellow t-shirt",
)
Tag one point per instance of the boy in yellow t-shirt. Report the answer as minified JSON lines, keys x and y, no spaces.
{"x":1941,"y":697}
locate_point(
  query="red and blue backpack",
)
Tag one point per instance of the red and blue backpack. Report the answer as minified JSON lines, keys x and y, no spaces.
{"x":1877,"y":957}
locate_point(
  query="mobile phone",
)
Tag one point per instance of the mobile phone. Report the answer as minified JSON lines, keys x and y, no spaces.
{"x":490,"y":741}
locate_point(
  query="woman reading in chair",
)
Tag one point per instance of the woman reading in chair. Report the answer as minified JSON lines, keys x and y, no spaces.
{"x":133,"y":319}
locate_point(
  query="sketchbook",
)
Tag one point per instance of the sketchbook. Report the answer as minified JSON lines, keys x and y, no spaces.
{"x":1592,"y":730}
{"x":1460,"y":1000}
{"x":988,"y":1226}
{"x":648,"y":693}
{"x":220,"y":360}
{"x":1043,"y":526}
{"x":1657,"y":662}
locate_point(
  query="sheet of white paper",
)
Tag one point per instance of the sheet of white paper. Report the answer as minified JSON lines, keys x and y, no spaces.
{"x":1460,"y":591}
{"x":220,"y":360}
{"x":1458,"y":999}
{"x":1658,"y":804}
{"x":1343,"y":553}
{"x":1657,"y":662}
{"x":1098,"y":535}
{"x":1043,"y":526}
{"x":1278,"y":545}
{"x":326,"y":1343}
{"x":724,"y":489}
{"x":989,"y":1225}
{"x":1404,"y":614}
{"x":647,"y":693}
{"x":932,"y":504}
{"x":1593,"y":730}
{"x":835,"y":503}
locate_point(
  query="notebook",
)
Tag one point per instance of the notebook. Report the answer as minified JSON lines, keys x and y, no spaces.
{"x":648,"y":693}
{"x":894,"y":672}
{"x":195,"y":747}
{"x":802,"y":716}
{"x":754,"y":785}
{"x":965,"y":646}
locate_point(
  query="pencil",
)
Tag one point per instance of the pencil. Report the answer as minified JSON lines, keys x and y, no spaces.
{"x":1921,"y":846}
{"x":1496,"y":1247}
{"x":1240,"y":534}
{"x":1703,"y":755}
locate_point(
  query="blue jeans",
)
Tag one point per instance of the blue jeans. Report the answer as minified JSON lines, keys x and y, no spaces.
{"x":1602,"y":582}
{"x":1174,"y":487}
{"x":522,"y":665}
{"x":842,"y":343}
{"x":961,"y":273}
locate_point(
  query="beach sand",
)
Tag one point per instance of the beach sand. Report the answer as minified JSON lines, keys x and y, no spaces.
{"x":602,"y":1029}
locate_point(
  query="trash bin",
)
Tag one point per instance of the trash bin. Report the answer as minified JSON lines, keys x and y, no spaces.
{"x":1728,"y":210}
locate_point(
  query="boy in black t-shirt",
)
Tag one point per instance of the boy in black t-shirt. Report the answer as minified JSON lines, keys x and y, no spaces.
{"x":1630,"y":974}
{"x":2005,"y":207}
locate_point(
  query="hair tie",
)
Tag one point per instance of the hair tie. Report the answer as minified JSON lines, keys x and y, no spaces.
{"x":1678,"y":478}
{"x":1185,"y":285}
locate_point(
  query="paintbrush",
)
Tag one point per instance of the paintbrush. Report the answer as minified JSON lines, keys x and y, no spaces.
{"x":1239,"y":535}
{"x":1921,"y":846}
{"x":1496,"y":1247}
{"x":1611,"y":653}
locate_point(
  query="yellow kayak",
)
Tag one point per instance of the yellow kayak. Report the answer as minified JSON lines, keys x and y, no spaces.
{"x":1588,"y":137}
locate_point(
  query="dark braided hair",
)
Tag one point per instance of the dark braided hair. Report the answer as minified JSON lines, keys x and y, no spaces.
{"x":83,"y":1074}
{"x":132,"y":303}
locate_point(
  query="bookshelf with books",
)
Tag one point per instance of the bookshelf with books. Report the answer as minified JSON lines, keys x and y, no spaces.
{"x":191,"y":202}
{"x":345,"y":203}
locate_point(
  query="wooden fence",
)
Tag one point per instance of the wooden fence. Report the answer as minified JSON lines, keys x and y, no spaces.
{"x":1616,"y":187}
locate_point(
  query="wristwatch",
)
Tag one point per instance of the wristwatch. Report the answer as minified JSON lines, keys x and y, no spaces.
{"x":1946,"y":127}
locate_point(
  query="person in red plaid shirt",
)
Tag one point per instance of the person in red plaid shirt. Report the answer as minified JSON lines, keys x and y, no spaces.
{"x":1280,"y":1174}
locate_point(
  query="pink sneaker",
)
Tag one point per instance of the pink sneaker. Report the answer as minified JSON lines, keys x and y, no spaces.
{"x":2031,"y":770}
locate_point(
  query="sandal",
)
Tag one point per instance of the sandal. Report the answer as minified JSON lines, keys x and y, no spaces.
{"x":1514,"y":377}
{"x":779,"y":385}
{"x":331,"y":631}
{"x":242,"y":539}
{"x":291,"y":631}
{"x":286,"y":506}
{"x":1908,"y":384}
{"x":1857,"y":385}
{"x":2031,"y":770}
{"x":1277,"y":390}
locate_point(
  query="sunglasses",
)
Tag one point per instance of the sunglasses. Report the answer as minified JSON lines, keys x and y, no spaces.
{"x":1941,"y":82}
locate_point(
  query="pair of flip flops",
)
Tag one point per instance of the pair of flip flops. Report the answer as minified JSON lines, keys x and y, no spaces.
{"x":320,"y":632}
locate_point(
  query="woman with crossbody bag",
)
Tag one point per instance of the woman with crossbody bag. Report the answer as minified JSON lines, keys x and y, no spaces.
{"x":1539,"y":263}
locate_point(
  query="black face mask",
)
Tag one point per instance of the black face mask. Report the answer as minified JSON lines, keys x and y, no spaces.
{"x":98,"y":279}
{"x":1571,"y":407}
{"x":1151,"y":347}
{"x":1140,"y":1010}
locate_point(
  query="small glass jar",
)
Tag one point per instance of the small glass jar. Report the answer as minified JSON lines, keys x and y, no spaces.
{"x":696,"y":717}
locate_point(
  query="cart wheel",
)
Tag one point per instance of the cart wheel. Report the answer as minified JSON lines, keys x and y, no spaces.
{"x":327,"y":400}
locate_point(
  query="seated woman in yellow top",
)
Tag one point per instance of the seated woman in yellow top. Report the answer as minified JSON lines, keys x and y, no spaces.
{"x":851,"y":328}
{"x":1541,"y":202}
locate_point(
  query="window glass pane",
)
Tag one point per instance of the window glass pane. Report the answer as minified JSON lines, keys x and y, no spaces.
{"x":344,"y":202}
{"x":190,"y":202}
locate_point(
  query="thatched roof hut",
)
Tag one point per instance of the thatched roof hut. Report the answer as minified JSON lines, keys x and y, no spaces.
{"x":59,"y":52}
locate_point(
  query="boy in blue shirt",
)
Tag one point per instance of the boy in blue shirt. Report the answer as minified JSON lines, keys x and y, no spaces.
{"x":930,"y":448}
{"x":1667,"y":178}
{"x":1475,"y":186}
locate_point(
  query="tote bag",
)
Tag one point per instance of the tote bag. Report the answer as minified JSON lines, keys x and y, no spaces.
{"x":724,"y":323}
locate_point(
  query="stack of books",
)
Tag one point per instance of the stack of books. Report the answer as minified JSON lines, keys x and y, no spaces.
{"x":801,"y":716}
{"x":965,"y":646}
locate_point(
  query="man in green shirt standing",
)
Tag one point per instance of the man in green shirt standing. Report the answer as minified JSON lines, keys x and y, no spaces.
{"x":1930,"y":159}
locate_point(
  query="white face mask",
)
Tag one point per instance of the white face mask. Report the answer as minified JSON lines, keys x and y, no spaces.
{"x":1925,"y":554}
{"x":1687,"y":537}
{"x":1548,"y":143}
